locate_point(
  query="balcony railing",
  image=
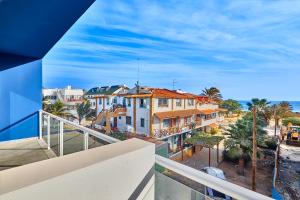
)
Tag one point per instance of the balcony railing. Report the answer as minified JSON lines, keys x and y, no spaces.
{"x":64,"y":137}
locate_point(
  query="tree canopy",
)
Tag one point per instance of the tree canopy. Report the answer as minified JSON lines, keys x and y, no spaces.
{"x":231,"y":105}
{"x":212,"y":93}
{"x":204,"y":139}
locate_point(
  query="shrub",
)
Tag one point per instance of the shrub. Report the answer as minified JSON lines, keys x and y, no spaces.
{"x":118,"y":135}
{"x":294,"y":120}
{"x":271,"y":143}
{"x":233,"y":154}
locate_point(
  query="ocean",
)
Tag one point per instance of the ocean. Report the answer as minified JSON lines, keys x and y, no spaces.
{"x":295,"y":104}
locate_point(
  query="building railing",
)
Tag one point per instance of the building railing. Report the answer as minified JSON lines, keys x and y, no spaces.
{"x":58,"y":134}
{"x":225,"y":187}
{"x":64,"y":137}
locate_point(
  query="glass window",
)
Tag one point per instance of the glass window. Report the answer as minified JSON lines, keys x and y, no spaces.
{"x":129,"y":102}
{"x":107,"y":100}
{"x":178,"y":102}
{"x":100,"y":101}
{"x":115,"y":100}
{"x":128,"y":120}
{"x":163,"y":102}
{"x":190,"y":102}
{"x":166,"y":123}
{"x":142,"y":103}
{"x":142,"y":122}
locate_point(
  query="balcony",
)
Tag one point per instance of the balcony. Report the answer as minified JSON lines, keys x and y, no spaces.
{"x":82,"y":171}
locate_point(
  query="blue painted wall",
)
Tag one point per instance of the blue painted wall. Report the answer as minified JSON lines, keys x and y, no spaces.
{"x":20,"y":100}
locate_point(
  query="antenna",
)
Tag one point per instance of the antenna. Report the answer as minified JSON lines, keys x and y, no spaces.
{"x":174,"y":82}
{"x":138,"y":72}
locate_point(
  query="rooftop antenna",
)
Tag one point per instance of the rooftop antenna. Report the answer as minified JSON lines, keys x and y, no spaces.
{"x":174,"y":82}
{"x":138,"y":77}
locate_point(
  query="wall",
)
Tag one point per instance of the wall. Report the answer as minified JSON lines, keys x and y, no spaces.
{"x":21,"y":98}
{"x":111,"y":172}
{"x":143,"y":113}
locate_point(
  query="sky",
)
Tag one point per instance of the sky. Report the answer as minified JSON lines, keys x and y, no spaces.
{"x":245,"y":48}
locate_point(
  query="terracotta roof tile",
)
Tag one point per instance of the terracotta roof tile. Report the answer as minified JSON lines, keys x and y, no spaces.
{"x":207,"y":111}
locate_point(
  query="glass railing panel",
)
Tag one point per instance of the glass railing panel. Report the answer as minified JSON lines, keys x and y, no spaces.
{"x":94,"y":142}
{"x":44,"y":127}
{"x":167,"y":188}
{"x":54,"y":135}
{"x":73,"y":139}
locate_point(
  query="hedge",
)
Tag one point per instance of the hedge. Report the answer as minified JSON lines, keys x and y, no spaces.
{"x":294,"y":120}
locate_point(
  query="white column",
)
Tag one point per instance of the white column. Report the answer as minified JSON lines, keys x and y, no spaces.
{"x":40,"y":125}
{"x":86,"y":141}
{"x":48,"y":131}
{"x":61,"y":138}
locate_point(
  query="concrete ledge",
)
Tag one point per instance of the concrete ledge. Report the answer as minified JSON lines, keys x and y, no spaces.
{"x":108,"y":166}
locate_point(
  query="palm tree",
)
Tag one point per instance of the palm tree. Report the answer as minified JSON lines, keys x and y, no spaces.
{"x":212,"y":93}
{"x":240,"y":138}
{"x":263,"y":108}
{"x":84,"y":110}
{"x":58,"y":109}
{"x":280,"y":111}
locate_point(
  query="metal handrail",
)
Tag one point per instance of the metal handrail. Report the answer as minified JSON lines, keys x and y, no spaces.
{"x":87,"y":130}
{"x":230,"y":189}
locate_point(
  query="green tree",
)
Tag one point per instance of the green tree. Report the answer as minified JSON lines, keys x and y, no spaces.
{"x":212,"y":93}
{"x":231,"y":105}
{"x":240,"y":138}
{"x":280,"y":111}
{"x":84,"y":110}
{"x":58,"y":109}
{"x":263,"y":108}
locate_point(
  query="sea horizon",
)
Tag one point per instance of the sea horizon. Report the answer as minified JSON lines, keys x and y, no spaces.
{"x":295,"y":104}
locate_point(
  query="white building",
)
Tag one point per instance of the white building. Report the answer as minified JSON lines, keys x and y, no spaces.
{"x":158,"y":113}
{"x":69,"y":96}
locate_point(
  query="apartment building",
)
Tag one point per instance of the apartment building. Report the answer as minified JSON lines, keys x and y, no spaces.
{"x":68,"y":95}
{"x":160,"y":113}
{"x":105,"y":97}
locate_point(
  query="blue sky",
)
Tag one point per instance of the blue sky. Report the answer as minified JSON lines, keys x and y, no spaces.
{"x":245,"y":48}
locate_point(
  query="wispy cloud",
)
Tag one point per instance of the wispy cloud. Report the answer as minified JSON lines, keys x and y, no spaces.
{"x":247,"y":48}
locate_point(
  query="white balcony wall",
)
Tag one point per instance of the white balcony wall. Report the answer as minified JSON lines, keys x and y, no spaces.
{"x":109,"y":172}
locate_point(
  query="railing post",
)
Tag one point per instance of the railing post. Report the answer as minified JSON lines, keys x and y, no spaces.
{"x":61,"y":138}
{"x":86,"y":140}
{"x":40,"y":124}
{"x":48,"y":131}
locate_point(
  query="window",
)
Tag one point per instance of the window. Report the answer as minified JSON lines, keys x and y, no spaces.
{"x":128,"y":120}
{"x":100,"y":101}
{"x":107,"y":100}
{"x":163,"y":102}
{"x":178,"y":102}
{"x":142,"y":103}
{"x":120,"y":117}
{"x":190,"y":102}
{"x":124,"y":102}
{"x":166,"y":123}
{"x":142,"y":122}
{"x":115,"y":100}
{"x":129,"y":102}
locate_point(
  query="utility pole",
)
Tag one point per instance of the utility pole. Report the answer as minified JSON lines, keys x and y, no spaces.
{"x":254,"y":150}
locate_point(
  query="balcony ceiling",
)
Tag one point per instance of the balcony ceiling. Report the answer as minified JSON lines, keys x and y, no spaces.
{"x":31,"y":27}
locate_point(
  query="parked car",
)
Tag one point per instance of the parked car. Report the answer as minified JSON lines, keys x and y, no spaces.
{"x":219,"y":174}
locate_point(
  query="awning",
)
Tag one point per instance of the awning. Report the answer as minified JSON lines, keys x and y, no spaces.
{"x":177,"y":113}
{"x":207,"y":111}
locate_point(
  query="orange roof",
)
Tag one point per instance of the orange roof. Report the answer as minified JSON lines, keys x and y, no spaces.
{"x":177,"y":113}
{"x":213,"y":125}
{"x":203,"y":99}
{"x":207,"y":111}
{"x":165,"y":93}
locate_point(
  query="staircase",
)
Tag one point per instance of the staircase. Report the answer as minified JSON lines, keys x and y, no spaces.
{"x":106,"y":115}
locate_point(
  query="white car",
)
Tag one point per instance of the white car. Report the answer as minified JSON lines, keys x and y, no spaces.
{"x":219,"y":174}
